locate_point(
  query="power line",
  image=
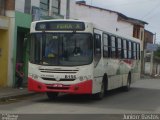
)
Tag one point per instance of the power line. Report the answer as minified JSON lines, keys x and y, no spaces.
{"x":126,"y":4}
{"x":152,"y":10}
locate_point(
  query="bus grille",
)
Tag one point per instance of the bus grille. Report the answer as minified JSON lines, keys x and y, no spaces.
{"x":65,"y":87}
{"x":53,"y":79}
{"x":58,"y":71}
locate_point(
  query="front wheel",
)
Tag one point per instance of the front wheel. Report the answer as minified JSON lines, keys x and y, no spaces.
{"x":52,"y":95}
{"x":100,"y":95}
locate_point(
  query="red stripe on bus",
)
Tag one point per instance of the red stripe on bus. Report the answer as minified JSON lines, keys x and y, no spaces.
{"x":129,"y":62}
{"x":79,"y":88}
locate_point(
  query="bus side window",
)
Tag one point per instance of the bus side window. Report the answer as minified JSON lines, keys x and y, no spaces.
{"x":138,"y":51}
{"x":106,"y":50}
{"x":119,"y":48}
{"x":97,"y":44}
{"x":129,"y":50}
{"x":113,"y":45}
{"x":134,"y":51}
{"x":97,"y":48}
{"x":124,"y":47}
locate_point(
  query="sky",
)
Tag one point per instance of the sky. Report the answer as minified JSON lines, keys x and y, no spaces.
{"x":145,"y":10}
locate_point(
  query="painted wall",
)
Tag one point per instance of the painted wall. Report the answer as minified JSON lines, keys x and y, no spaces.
{"x":101,"y":18}
{"x":125,"y":28}
{"x":4,"y":39}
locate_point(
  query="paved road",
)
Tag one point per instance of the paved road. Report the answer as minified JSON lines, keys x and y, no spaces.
{"x":144,"y":97}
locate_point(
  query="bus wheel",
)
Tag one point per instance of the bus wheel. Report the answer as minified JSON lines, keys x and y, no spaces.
{"x":52,"y":95}
{"x":100,"y":95}
{"x":128,"y":86}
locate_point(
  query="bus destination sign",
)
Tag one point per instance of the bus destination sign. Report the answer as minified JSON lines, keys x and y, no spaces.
{"x":61,"y":26}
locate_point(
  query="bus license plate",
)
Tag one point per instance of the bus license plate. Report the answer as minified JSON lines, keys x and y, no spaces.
{"x":57,"y":85}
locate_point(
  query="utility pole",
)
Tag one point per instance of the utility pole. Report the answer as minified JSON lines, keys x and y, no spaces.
{"x":152,"y":56}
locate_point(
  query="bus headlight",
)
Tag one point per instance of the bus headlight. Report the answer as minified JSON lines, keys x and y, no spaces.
{"x":34,"y":76}
{"x":81,"y":78}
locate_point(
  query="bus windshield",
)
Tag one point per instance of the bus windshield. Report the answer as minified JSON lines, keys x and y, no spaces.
{"x":61,"y":49}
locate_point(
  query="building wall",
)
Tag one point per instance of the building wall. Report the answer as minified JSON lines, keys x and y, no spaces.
{"x":4,"y":34}
{"x":103,"y":19}
{"x":125,"y":28}
{"x":19,"y":5}
{"x":63,"y":8}
{"x":10,"y":4}
{"x":17,"y":19}
{"x":148,"y":36}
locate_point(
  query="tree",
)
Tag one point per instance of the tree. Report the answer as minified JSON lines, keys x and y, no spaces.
{"x":157,"y":53}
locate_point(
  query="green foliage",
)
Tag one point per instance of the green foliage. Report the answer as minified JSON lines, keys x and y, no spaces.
{"x":157,"y":53}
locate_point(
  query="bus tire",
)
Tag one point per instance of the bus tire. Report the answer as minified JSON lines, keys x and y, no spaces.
{"x":52,"y":95}
{"x":101,"y":94}
{"x":128,"y":86}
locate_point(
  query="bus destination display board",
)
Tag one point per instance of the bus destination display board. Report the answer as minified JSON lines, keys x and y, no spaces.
{"x":61,"y":26}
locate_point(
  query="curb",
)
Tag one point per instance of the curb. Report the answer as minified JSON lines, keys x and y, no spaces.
{"x":17,"y":96}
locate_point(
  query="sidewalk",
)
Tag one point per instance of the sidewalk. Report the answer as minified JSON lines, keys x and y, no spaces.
{"x":143,"y":76}
{"x":9,"y":93}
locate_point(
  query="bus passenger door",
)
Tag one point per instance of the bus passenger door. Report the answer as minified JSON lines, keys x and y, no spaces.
{"x":98,"y":64}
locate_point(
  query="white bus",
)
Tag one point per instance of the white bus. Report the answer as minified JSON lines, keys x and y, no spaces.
{"x":75,"y":57}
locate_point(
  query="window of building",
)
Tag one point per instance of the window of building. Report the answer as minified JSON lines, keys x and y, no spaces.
{"x":136,"y":31}
{"x":27,"y":8}
{"x":44,"y":6}
{"x":2,"y":4}
{"x":55,"y":6}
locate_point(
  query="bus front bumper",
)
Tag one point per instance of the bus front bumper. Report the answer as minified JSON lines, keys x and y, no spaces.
{"x":84,"y":87}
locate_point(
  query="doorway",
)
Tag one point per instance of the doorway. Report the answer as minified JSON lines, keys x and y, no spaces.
{"x":21,"y":51}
